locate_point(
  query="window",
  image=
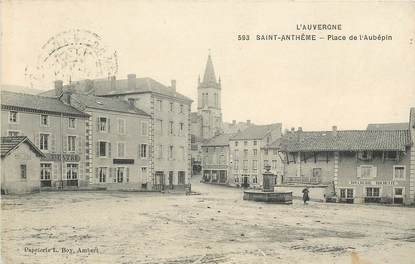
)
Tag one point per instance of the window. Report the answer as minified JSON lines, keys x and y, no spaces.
{"x":245,"y":143}
{"x":44,"y":142}
{"x":398,"y":191}
{"x":181,"y":154}
{"x":316,"y":172}
{"x":144,"y":128}
{"x":274,"y":164}
{"x":372,"y":192}
{"x":71,"y":171}
{"x":121,"y":149}
{"x":71,"y":122}
{"x":71,"y":143}
{"x":346,"y":193}
{"x":102,"y":174}
{"x":171,"y":152}
{"x":144,"y":174}
{"x":254,"y":164}
{"x":366,"y":171}
{"x":181,"y":129}
{"x":254,"y":179}
{"x":13,"y":133}
{"x":236,"y":178}
{"x":255,"y":152}
{"x":44,"y":120}
{"x":13,"y":117}
{"x":236,"y":165}
{"x":398,"y":195}
{"x":159,"y":105}
{"x":236,"y":143}
{"x":245,"y":165}
{"x":23,"y":171}
{"x":159,"y":127}
{"x":121,"y":126}
{"x":102,"y":150}
{"x":143,"y":151}
{"x":365,"y":155}
{"x":221,"y":159}
{"x":103,"y":124}
{"x":181,"y":178}
{"x":255,"y":142}
{"x":171,"y":130}
{"x":120,"y":174}
{"x":160,"y":152}
{"x":266,"y":152}
{"x":236,"y":153}
{"x":245,"y":153}
{"x":181,"y":109}
{"x":391,"y":155}
{"x":171,"y":107}
{"x":45,"y":171}
{"x":399,"y":172}
{"x":275,"y":152}
{"x":266,"y":163}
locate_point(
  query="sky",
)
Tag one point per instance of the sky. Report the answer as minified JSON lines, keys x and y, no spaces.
{"x":312,"y":84}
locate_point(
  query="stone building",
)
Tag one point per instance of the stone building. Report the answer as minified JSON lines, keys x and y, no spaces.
{"x":20,"y":165}
{"x":216,"y":160}
{"x":360,"y":166}
{"x":169,"y":126}
{"x":57,"y":129}
{"x":117,"y":141}
{"x":246,"y":153}
{"x":235,"y":127}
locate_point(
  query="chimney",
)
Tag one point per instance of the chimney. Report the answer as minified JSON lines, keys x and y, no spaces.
{"x":58,"y":88}
{"x":334,"y":130}
{"x":173,"y":85}
{"x":113,"y":82}
{"x":293,"y":129}
{"x":131,"y":80}
{"x":66,"y":94}
{"x":248,"y":122}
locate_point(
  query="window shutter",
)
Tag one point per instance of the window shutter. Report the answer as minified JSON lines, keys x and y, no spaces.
{"x":113,"y":174}
{"x":81,"y":171}
{"x":138,"y":150}
{"x":109,"y":149}
{"x":55,"y":171}
{"x":374,"y":172}
{"x":97,"y":153}
{"x":97,"y":124}
{"x":359,"y":172}
{"x":96,"y":174}
{"x":79,"y":145}
{"x":65,"y":144}
{"x":127,"y":173}
{"x":109,"y":125}
{"x":64,"y":176}
{"x":53,"y":143}
{"x":37,"y":140}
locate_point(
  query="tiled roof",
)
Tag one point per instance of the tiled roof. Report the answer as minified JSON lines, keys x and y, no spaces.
{"x":8,"y":144}
{"x":388,"y":126}
{"x":109,"y":104}
{"x":103,"y":87}
{"x":347,"y":140}
{"x":256,"y":132}
{"x":38,"y":103}
{"x":219,"y":140}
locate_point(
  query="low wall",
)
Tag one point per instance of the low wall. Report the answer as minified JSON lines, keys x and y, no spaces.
{"x":316,"y":193}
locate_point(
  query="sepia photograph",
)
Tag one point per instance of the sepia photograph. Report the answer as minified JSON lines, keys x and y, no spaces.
{"x":207,"y":132}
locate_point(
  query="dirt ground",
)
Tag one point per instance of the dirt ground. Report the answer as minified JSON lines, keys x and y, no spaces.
{"x":216,"y":226}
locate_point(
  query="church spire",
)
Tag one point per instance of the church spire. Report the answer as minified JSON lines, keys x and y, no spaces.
{"x":209,"y":76}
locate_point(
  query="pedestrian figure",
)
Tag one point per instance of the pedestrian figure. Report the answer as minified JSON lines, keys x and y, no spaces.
{"x":305,"y":195}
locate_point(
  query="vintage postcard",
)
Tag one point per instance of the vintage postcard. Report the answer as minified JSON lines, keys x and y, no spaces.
{"x":207,"y":132}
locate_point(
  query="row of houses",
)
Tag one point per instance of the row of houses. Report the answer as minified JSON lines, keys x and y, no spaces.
{"x":106,"y":133}
{"x":353,"y":166}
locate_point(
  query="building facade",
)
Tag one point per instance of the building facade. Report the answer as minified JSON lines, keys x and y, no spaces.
{"x":20,"y":165}
{"x":357,"y":166}
{"x":57,"y":129}
{"x":246,"y":155}
{"x":216,"y":160}
{"x":169,"y":125}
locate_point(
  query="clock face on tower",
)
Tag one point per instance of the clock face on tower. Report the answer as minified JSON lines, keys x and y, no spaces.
{"x":72,"y":55}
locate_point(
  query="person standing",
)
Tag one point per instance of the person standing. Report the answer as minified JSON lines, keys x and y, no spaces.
{"x":305,"y":195}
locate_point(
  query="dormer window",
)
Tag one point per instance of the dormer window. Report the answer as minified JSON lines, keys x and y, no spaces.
{"x":44,"y":120}
{"x":13,"y":117}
